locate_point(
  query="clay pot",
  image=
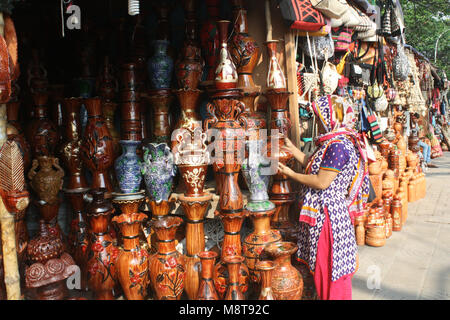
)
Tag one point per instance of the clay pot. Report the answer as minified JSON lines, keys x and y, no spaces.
{"x":128,"y":167}
{"x":48,"y":180}
{"x":209,"y":39}
{"x":397,"y":215}
{"x":360,"y":233}
{"x":226,"y":76}
{"x":287,"y":282}
{"x":102,"y":251}
{"x":189,"y":119}
{"x":244,"y":50}
{"x":132,"y":263}
{"x":193,"y":179}
{"x":160,"y":101}
{"x":109,"y":110}
{"x":160,"y":66}
{"x":97,"y":147}
{"x":167,"y":266}
{"x":376,"y":236}
{"x":266,"y":268}
{"x":107,"y":85}
{"x":255,"y":120}
{"x":375,"y":168}
{"x":275,"y":77}
{"x":233,"y":288}
{"x":206,"y":290}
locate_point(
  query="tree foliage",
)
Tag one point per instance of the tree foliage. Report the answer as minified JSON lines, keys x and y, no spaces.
{"x":425,"y":21}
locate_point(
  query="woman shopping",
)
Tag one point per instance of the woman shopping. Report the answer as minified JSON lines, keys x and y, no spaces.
{"x":334,"y":190}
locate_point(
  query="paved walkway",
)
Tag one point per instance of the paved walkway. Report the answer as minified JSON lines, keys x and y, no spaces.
{"x":415,"y":262}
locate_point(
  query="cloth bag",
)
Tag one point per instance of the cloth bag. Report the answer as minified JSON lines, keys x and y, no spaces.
{"x":331,"y":8}
{"x":301,"y":15}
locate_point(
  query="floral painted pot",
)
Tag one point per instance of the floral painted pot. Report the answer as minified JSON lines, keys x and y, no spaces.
{"x":128,"y":167}
{"x":160,"y":66}
{"x":158,"y":169}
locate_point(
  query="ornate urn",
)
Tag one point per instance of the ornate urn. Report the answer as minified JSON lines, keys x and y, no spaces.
{"x":128,"y":167}
{"x":160,"y":66}
{"x":48,"y":180}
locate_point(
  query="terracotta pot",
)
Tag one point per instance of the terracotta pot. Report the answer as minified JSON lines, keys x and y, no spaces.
{"x":233,"y":288}
{"x":132,"y":263}
{"x":206,"y":290}
{"x":193,"y":179}
{"x":209,"y":39}
{"x":275,"y":77}
{"x":287,"y":282}
{"x":255,"y":120}
{"x":97,"y":149}
{"x":167,"y":267}
{"x":266,"y":268}
{"x":226,"y":76}
{"x":376,"y":236}
{"x":375,"y":168}
{"x":244,"y":50}
{"x":255,"y":242}
{"x":102,"y":251}
{"x":48,"y":180}
{"x":360,"y":233}
{"x":160,"y":101}
{"x":189,"y":118}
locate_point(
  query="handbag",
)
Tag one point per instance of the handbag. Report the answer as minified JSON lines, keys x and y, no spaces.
{"x":331,"y":8}
{"x":309,"y":80}
{"x":323,"y":31}
{"x":330,"y":77}
{"x":323,"y":47}
{"x":341,"y":65}
{"x":374,"y":129}
{"x":400,"y":64}
{"x":365,"y":22}
{"x":300,"y":14}
{"x":342,"y":37}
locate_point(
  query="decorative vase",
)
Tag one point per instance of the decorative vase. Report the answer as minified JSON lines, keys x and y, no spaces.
{"x":275,"y":77}
{"x":48,"y":180}
{"x":266,"y":268}
{"x":107,"y":84}
{"x":158,"y":170}
{"x":189,"y":119}
{"x":209,"y":39}
{"x":255,"y":120}
{"x":42,"y":133}
{"x":71,"y":149}
{"x":97,"y":147}
{"x":206,"y":290}
{"x":167,"y":266}
{"x":128,"y":167}
{"x":233,"y":288}
{"x":102,"y":250}
{"x":287,"y":282}
{"x":226,"y":76}
{"x":132,"y":263}
{"x":109,"y":109}
{"x":244,"y":50}
{"x":160,"y":101}
{"x":18,"y":135}
{"x":130,"y":120}
{"x":160,"y":66}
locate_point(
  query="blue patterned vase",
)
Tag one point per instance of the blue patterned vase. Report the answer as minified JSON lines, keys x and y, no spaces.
{"x":158,"y":169}
{"x":160,"y":66}
{"x":128,"y":167}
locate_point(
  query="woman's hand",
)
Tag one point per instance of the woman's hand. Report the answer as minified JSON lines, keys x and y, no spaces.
{"x":298,"y":155}
{"x":285,"y":170}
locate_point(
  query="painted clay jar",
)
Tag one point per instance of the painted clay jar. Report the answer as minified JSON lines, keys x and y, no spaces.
{"x":275,"y":76}
{"x":206,"y":289}
{"x":102,"y":250}
{"x":160,"y":100}
{"x":233,"y":288}
{"x":132,"y":263}
{"x":266,"y":268}
{"x":244,"y":50}
{"x":71,"y":152}
{"x":97,"y":149}
{"x":109,"y":110}
{"x":160,"y":66}
{"x":42,"y":133}
{"x":189,"y":67}
{"x":376,"y":235}
{"x":130,"y":113}
{"x":287,"y":282}
{"x":48,"y":180}
{"x":256,"y":120}
{"x":226,"y":76}
{"x":167,"y":266}
{"x":255,"y":242}
{"x":189,"y":119}
{"x":209,"y":39}
{"x":158,"y":169}
{"x":128,"y":167}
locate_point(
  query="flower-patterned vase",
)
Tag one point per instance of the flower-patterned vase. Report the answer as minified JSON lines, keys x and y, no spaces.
{"x":160,"y":66}
{"x":132,"y":263}
{"x":102,"y":251}
{"x":158,"y":169}
{"x":128,"y":167}
{"x":226,"y":76}
{"x":167,"y":266}
{"x":233,"y":289}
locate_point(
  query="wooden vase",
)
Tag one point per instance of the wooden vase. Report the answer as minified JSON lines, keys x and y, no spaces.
{"x":209,"y":39}
{"x":376,"y":236}
{"x":206,"y":289}
{"x":226,"y":76}
{"x":161,"y":101}
{"x":109,"y":110}
{"x":48,"y":180}
{"x":266,"y":269}
{"x":234,"y":288}
{"x":275,"y":77}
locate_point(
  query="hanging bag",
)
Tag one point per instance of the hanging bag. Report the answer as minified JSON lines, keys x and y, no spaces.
{"x":374,"y":129}
{"x":342,"y":37}
{"x":331,"y":8}
{"x":400,"y":64}
{"x":301,"y":15}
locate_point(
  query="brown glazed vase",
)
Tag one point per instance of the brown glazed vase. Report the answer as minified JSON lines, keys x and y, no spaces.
{"x":226,"y":76}
{"x":275,"y":76}
{"x":48,"y":180}
{"x":189,"y":118}
{"x":107,"y":84}
{"x":71,"y":148}
{"x":160,"y":100}
{"x":266,"y":268}
{"x":102,"y":251}
{"x":193,"y":179}
{"x":109,"y":110}
{"x":42,"y":133}
{"x":244,"y":50}
{"x":255,"y":242}
{"x":132,"y":263}
{"x":287,"y":282}
{"x":256,"y":120}
{"x":130,"y":125}
{"x":206,"y":289}
{"x":209,"y":39}
{"x":97,"y":148}
{"x":167,"y":266}
{"x":233,"y":288}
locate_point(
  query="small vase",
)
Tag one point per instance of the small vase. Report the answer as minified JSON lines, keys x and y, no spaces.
{"x":160,"y":66}
{"x":226,"y":76}
{"x":209,"y":39}
{"x":233,"y":289}
{"x":275,"y":77}
{"x":206,"y":290}
{"x":167,"y":266}
{"x":266,"y":268}
{"x":132,"y":263}
{"x":158,"y":169}
{"x":48,"y":180}
{"x":287,"y":282}
{"x":128,"y":167}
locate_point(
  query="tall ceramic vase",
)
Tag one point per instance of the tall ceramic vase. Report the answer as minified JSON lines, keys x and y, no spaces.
{"x":160,"y":100}
{"x":206,"y":289}
{"x":130,"y":104}
{"x":275,"y":76}
{"x":97,"y":147}
{"x":233,"y":289}
{"x":102,"y":251}
{"x":132,"y":263}
{"x":160,"y":66}
{"x":209,"y":39}
{"x":167,"y":266}
{"x":266,"y":268}
{"x":128,"y":167}
{"x":226,"y":76}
